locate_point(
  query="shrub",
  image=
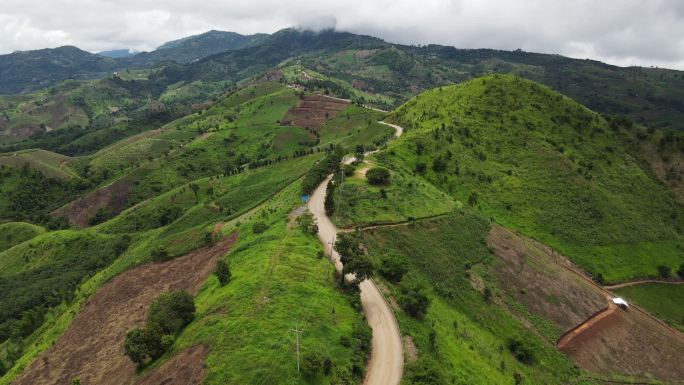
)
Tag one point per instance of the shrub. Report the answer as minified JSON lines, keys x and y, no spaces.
{"x":680,"y":271}
{"x":393,"y":267}
{"x":425,"y":371}
{"x":520,"y":351}
{"x":142,"y":344}
{"x":222,"y":272}
{"x":307,"y":223}
{"x":171,"y":312}
{"x":378,"y":176}
{"x":101,"y":215}
{"x":259,"y":227}
{"x":348,"y":169}
{"x":168,"y":315}
{"x":160,"y":254}
{"x":412,"y":299}
{"x":472,"y":199}
{"x":311,"y":364}
{"x":664,"y":271}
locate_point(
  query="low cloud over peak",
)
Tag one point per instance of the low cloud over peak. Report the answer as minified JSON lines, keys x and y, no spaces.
{"x":623,"y":32}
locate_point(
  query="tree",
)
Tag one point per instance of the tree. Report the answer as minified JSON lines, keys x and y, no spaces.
{"x":680,"y":271}
{"x":439,"y":164}
{"x":195,"y":190}
{"x":222,"y":272}
{"x":329,"y":202}
{"x":393,"y":267}
{"x":142,"y":344}
{"x":472,"y":199}
{"x":378,"y":176}
{"x":360,"y":265}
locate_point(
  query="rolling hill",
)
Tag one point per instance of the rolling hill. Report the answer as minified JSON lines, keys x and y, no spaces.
{"x":490,"y":226}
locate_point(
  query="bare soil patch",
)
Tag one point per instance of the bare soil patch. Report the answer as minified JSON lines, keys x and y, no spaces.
{"x":185,"y":368}
{"x":92,"y":347}
{"x":629,"y":342}
{"x":113,"y":198}
{"x":313,"y":111}
{"x":600,"y":337}
{"x":537,"y":277}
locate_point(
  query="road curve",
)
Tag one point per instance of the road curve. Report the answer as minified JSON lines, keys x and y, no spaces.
{"x":386,"y":363}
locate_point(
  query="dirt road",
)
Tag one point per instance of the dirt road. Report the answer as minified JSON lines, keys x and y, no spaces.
{"x":644,"y":281}
{"x":386,"y":364}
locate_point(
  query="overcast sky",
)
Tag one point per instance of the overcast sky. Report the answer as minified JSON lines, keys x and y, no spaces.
{"x":622,"y":32}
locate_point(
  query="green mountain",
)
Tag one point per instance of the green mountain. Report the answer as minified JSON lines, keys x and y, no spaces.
{"x":27,"y":71}
{"x":538,"y":162}
{"x":191,"y":48}
{"x":493,"y":226}
{"x":117,"y":53}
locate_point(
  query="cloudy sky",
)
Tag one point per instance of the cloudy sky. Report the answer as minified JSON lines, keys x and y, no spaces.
{"x":622,"y":32}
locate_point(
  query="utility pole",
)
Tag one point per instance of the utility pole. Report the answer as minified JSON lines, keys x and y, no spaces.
{"x":298,"y":332}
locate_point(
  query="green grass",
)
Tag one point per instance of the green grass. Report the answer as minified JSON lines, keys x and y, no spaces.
{"x":46,"y":162}
{"x":360,"y":203}
{"x":356,"y":126}
{"x":278,"y":283}
{"x":14,"y":233}
{"x":662,"y":300}
{"x":546,"y":166}
{"x":475,"y":350}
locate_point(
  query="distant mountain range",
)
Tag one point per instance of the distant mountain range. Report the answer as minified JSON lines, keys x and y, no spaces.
{"x":358,"y":64}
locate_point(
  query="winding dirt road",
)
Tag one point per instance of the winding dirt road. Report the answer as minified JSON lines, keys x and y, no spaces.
{"x":386,"y":364}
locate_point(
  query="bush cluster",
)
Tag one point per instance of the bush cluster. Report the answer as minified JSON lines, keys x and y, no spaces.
{"x":169,"y":314}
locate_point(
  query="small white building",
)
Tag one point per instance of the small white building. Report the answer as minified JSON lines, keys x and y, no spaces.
{"x":621,"y":302}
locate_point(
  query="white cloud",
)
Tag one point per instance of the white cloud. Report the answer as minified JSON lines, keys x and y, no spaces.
{"x":624,"y":32}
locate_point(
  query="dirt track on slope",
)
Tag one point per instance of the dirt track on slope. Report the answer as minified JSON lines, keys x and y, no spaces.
{"x":92,"y":346}
{"x":641,"y":282}
{"x":386,"y":363}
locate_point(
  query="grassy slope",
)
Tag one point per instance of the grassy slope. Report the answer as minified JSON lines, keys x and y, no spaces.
{"x":546,"y":166}
{"x":47,"y":162}
{"x":359,"y":203}
{"x":474,"y":351}
{"x":14,"y":233}
{"x":278,"y":283}
{"x":231,"y":196}
{"x":662,"y":300}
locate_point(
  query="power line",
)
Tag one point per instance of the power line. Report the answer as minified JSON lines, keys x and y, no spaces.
{"x":298,"y":332}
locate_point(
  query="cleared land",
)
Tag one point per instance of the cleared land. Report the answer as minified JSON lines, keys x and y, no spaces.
{"x":313,"y":111}
{"x":92,"y":347}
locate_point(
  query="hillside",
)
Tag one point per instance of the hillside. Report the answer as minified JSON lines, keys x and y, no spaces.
{"x":489,"y":217}
{"x":193,"y":48}
{"x":537,"y":162}
{"x":28,"y":71}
